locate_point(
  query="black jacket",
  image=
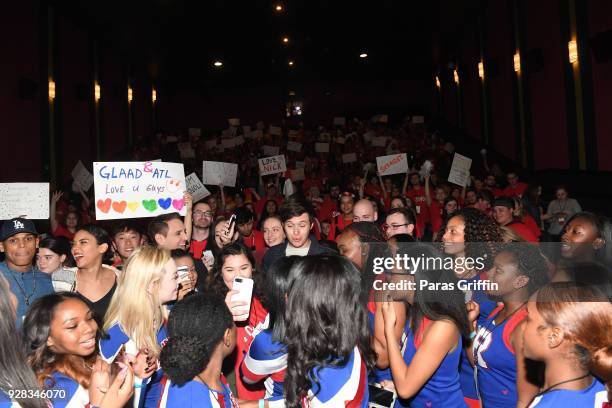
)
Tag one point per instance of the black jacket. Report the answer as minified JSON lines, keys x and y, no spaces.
{"x":278,"y":251}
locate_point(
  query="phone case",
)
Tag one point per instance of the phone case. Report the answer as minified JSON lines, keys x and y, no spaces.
{"x":244,"y":286}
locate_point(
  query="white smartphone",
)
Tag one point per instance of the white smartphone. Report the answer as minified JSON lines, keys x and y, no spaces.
{"x":208,"y":257}
{"x":183,"y":273}
{"x":244,"y":286}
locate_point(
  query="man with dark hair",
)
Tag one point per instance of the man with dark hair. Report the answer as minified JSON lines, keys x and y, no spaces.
{"x":18,"y":241}
{"x":126,"y":238}
{"x":297,"y":223}
{"x":167,"y":231}
{"x":399,"y":221}
{"x":251,"y":238}
{"x":503,"y":213}
{"x":201,"y":239}
{"x":484,"y":200}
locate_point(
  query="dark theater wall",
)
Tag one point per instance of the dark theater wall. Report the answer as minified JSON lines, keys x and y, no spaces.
{"x":600,"y":20}
{"x":114,"y":104}
{"x":555,"y":127}
{"x":20,"y":109}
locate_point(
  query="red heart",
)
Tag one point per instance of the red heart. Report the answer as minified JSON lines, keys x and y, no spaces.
{"x":119,"y":206}
{"x":104,"y":205}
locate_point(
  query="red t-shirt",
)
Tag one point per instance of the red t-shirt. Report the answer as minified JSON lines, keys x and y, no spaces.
{"x":435,"y":216}
{"x":261,"y":204}
{"x":524,"y":232}
{"x":245,"y":333}
{"x":60,"y":231}
{"x":515,"y":191}
{"x":531,"y":224}
{"x":196,"y":248}
{"x":255,"y":242}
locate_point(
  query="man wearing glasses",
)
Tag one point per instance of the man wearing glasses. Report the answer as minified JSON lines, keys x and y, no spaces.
{"x":399,"y":221}
{"x":202,"y":220}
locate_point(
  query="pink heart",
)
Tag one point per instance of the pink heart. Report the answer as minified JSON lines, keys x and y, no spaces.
{"x":428,"y":403}
{"x":178,"y":204}
{"x":505,"y":392}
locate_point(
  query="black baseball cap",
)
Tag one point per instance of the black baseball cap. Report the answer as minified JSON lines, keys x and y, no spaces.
{"x":17,"y":226}
{"x":504,"y":202}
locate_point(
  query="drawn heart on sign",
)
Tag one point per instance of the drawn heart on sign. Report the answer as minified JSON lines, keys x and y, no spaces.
{"x":119,"y":206}
{"x":150,"y":205}
{"x":428,"y":403}
{"x":178,"y":204}
{"x":165,"y":202}
{"x":505,"y":392}
{"x":133,"y":206}
{"x":104,"y":205}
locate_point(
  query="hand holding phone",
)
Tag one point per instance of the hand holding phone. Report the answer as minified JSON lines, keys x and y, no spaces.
{"x":243,"y":291}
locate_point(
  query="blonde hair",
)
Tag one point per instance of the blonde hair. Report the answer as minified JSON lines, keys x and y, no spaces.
{"x":139,"y":312}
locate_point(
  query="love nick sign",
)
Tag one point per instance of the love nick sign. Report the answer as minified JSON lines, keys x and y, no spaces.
{"x":138,"y":189}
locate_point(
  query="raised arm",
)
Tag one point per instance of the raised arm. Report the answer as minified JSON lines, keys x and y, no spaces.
{"x":427,"y":192}
{"x":222,"y":197}
{"x":405,"y":185}
{"x":379,"y":341}
{"x":54,"y":199}
{"x":188,"y":221}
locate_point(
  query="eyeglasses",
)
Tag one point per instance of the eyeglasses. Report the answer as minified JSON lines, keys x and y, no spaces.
{"x":394,"y":227}
{"x":203,"y":213}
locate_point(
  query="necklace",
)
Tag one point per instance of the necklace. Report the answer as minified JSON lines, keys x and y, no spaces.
{"x":22,"y":288}
{"x":562,"y":382}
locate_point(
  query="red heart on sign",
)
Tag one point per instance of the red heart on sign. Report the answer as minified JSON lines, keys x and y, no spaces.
{"x":104,"y":205}
{"x":119,"y":206}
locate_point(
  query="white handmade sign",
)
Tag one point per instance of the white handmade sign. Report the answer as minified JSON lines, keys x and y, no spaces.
{"x":138,"y":189}
{"x":460,"y":170}
{"x":294,"y":146}
{"x":418,"y":119}
{"x":322,"y":147}
{"x":82,"y":176}
{"x":30,"y":200}
{"x":272,"y":165}
{"x":392,"y":164}
{"x":196,"y":188}
{"x":215,"y":173}
{"x":349,"y":157}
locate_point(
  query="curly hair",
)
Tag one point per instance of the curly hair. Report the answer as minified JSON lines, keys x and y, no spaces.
{"x":326,"y":319}
{"x":481,"y":234}
{"x":215,"y":282}
{"x":196,"y":326}
{"x":36,"y":331}
{"x":530,"y":262}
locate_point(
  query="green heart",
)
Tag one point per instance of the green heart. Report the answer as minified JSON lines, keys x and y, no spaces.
{"x":150,"y":205}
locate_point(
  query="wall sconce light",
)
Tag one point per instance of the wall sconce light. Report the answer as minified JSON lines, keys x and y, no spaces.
{"x":517,"y":62}
{"x":51,"y":89}
{"x":572,"y":47}
{"x":154,"y":95}
{"x":97,"y":92}
{"x":481,"y":70}
{"x":291,"y":63}
{"x":456,"y":76}
{"x":438,"y":85}
{"x":130,"y":94}
{"x":285,"y":40}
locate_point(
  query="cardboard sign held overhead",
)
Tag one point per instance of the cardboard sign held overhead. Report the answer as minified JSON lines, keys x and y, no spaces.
{"x":215,"y":173}
{"x":460,"y":170}
{"x":196,"y":188}
{"x":392,"y":164}
{"x":82,"y":176}
{"x":138,"y":189}
{"x":349,"y":157}
{"x":276,"y":131}
{"x":294,"y":146}
{"x":24,"y":199}
{"x":272,"y":165}
{"x":339,"y":121}
{"x":271,"y":150}
{"x":322,"y":147}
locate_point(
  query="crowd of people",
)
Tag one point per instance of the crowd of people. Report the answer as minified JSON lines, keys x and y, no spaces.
{"x":152,"y":312}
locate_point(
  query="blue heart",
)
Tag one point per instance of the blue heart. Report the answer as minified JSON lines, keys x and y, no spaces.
{"x":165,"y":203}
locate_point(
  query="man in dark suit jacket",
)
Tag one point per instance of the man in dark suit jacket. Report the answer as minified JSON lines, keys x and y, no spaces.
{"x":297,"y":223}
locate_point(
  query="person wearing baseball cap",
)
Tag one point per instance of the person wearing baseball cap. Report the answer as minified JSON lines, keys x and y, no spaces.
{"x":18,"y":241}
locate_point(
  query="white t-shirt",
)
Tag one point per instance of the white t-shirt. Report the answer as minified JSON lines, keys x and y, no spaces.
{"x":303,"y":251}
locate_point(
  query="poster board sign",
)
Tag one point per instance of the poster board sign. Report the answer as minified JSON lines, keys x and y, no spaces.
{"x":138,"y":189}
{"x":322,"y":147}
{"x":215,"y":173}
{"x":194,"y":132}
{"x":460,"y":170}
{"x":339,"y":121}
{"x":186,"y":151}
{"x":271,"y":150}
{"x":276,"y":131}
{"x":24,"y":199}
{"x":294,"y":146}
{"x":297,"y":175}
{"x":82,"y":176}
{"x":379,"y":141}
{"x":196,"y":188}
{"x":234,"y":121}
{"x":418,"y":119}
{"x":349,"y":158}
{"x":392,"y":164}
{"x":272,"y":165}
{"x":340,"y":140}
